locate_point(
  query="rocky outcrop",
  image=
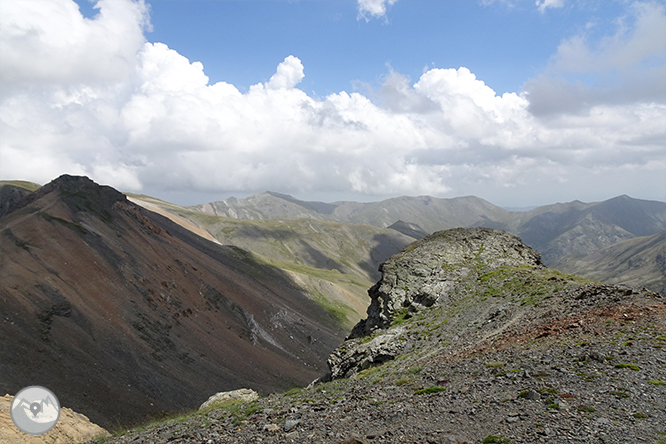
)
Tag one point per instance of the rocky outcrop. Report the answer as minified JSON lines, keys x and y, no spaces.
{"x":428,"y":271}
{"x":432,"y":271}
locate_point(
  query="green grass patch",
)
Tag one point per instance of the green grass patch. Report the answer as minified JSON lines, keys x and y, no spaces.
{"x":656,"y":382}
{"x":401,"y":316}
{"x":495,"y":439}
{"x":30,"y":186}
{"x":495,"y":364}
{"x":429,"y":390}
{"x":404,"y":380}
{"x":627,"y":365}
{"x":586,"y":409}
{"x":293,"y":392}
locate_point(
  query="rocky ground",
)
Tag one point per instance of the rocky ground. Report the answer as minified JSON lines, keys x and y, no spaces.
{"x":594,"y":384}
{"x":469,"y":339}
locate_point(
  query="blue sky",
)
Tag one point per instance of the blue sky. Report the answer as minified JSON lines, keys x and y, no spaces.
{"x":241,"y":42}
{"x":520,"y":102}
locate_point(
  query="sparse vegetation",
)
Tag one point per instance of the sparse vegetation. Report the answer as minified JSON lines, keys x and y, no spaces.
{"x":429,"y":390}
{"x":627,"y":365}
{"x":494,"y":439}
{"x":495,"y":364}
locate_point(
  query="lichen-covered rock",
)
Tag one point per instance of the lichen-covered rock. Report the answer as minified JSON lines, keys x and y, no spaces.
{"x":242,"y":395}
{"x":428,"y":271}
{"x":360,"y":355}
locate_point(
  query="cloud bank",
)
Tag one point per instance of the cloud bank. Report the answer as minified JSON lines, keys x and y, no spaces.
{"x":92,"y":96}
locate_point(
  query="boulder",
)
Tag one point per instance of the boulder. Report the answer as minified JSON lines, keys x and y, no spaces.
{"x":242,"y":395}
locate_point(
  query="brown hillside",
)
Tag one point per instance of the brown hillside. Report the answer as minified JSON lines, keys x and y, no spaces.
{"x":125,"y":315}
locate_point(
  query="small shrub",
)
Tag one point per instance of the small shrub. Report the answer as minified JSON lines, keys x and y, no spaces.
{"x":584,"y":408}
{"x":404,"y":380}
{"x":656,"y":382}
{"x":640,"y":415}
{"x":553,"y":406}
{"x":544,"y":390}
{"x":620,"y":394}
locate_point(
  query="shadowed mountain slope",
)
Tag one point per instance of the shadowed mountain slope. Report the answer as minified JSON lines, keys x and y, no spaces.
{"x":124,"y":314}
{"x":640,"y":261}
{"x":12,"y":192}
{"x":577,"y":229}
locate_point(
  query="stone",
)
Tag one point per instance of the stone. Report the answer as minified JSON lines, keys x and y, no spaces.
{"x":242,"y":395}
{"x":448,"y":256}
{"x":290,"y":424}
{"x":272,"y":428}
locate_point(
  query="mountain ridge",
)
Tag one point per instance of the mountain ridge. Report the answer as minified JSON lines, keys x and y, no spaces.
{"x":560,"y":230}
{"x":131,"y":306}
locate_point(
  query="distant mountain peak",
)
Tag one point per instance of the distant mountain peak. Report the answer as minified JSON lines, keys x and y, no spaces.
{"x":80,"y":193}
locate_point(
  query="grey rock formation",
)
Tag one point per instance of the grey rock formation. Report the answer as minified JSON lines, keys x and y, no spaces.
{"x":362,"y":355}
{"x":427,"y":272}
{"x":241,"y":395}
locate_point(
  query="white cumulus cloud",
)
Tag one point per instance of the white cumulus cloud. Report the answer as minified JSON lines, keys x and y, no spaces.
{"x":542,"y":5}
{"x":148,"y":118}
{"x":373,"y":8}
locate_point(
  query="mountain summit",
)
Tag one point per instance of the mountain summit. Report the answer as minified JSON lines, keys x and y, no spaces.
{"x":126,"y":315}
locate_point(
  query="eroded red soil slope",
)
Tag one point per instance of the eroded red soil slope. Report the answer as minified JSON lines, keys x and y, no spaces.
{"x":124,"y":314}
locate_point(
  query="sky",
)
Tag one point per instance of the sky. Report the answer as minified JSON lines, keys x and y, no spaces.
{"x":519,"y":102}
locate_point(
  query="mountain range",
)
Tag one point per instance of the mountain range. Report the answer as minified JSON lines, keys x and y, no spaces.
{"x":160,"y":305}
{"x":560,"y":232}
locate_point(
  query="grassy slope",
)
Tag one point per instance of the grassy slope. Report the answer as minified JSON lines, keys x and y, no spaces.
{"x":30,"y":186}
{"x":639,"y":261}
